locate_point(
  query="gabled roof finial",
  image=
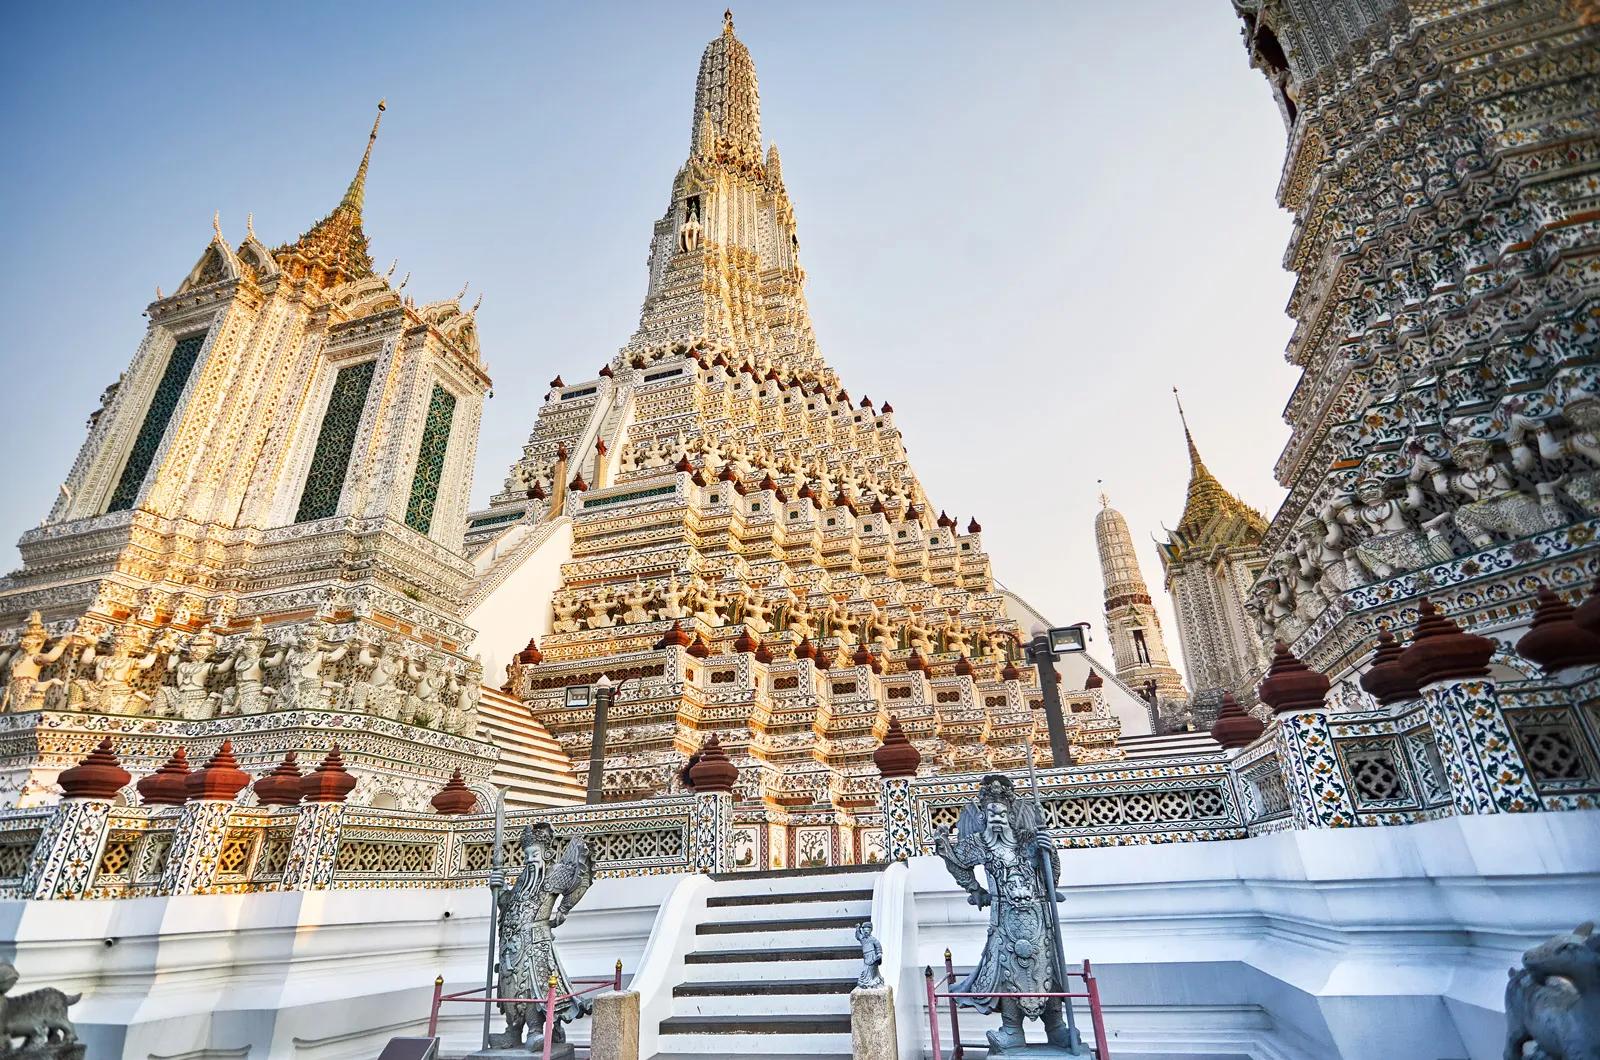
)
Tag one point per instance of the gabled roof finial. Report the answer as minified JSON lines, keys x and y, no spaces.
{"x":727,"y":21}
{"x":216,"y":225}
{"x":1194,"y":453}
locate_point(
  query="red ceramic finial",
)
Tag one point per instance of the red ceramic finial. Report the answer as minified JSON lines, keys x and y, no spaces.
{"x":896,"y":757}
{"x":700,"y":649}
{"x":329,"y":782}
{"x":220,"y":779}
{"x":1387,"y":679}
{"x":713,"y":772}
{"x":805,"y":649}
{"x":916,"y":662}
{"x":281,"y":787}
{"x":1009,"y":672}
{"x":1234,"y":726}
{"x":1555,"y":641}
{"x":963,"y":666}
{"x":1290,"y":684}
{"x":165,"y":787}
{"x":674,"y":638}
{"x":745,"y":643}
{"x":1588,"y":615}
{"x":455,"y":798}
{"x":530,"y":655}
{"x":1440,"y":650}
{"x":973,"y":527}
{"x":98,"y":776}
{"x":1093,"y":681}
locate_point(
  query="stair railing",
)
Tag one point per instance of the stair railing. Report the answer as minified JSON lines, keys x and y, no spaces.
{"x":1091,"y":993}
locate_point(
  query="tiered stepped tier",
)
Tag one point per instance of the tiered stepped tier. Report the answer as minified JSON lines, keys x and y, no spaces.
{"x":533,"y":768}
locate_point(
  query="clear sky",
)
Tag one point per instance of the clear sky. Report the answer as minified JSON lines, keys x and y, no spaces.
{"x":1022,"y":223}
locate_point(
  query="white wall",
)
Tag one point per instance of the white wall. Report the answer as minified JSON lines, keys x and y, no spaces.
{"x":519,"y":607}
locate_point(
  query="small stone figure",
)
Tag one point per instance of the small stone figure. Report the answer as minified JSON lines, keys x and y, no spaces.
{"x":1393,"y":544}
{"x":39,"y":1018}
{"x":1553,"y":1000}
{"x":1002,"y":833}
{"x":528,"y":915}
{"x":871,"y":957}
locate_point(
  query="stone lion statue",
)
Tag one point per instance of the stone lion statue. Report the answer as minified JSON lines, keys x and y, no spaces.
{"x":39,"y":1018}
{"x":1553,"y":1000}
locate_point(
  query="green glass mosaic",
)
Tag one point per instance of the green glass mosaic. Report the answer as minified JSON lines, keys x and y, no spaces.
{"x":337,"y":437}
{"x":430,"y":460}
{"x":156,"y":418}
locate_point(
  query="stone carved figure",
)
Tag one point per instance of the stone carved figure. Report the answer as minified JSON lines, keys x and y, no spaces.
{"x":919,"y":635}
{"x":689,"y":231}
{"x":39,"y":1018}
{"x":598,"y":607}
{"x":249,"y":662}
{"x":24,"y":689}
{"x":423,"y":703}
{"x":466,"y":706}
{"x":187,"y":695}
{"x":1583,"y":441}
{"x":1553,"y":1000}
{"x":871,"y":978}
{"x":1493,"y":505}
{"x":798,"y":619}
{"x":757,"y":615}
{"x":1001,"y":832}
{"x":115,"y":673}
{"x":1392,"y":544}
{"x":566,"y":609}
{"x":304,"y":686}
{"x":384,"y":696}
{"x":637,"y":600}
{"x":545,"y":893}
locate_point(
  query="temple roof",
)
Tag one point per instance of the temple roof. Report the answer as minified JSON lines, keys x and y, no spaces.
{"x":1211,"y":515}
{"x":725,"y":94}
{"x":334,"y":250}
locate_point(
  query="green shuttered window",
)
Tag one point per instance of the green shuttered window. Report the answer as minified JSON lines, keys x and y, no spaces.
{"x":156,"y":418}
{"x":430,"y":460}
{"x":331,"y":461}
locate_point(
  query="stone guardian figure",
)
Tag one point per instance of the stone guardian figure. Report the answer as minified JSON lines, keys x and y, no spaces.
{"x":1001,"y":832}
{"x":544,"y":894}
{"x":1553,"y":1000}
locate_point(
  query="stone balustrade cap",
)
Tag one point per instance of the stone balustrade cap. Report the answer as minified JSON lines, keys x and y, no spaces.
{"x":98,"y":776}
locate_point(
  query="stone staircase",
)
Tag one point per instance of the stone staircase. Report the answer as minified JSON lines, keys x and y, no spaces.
{"x":773,"y":964}
{"x":1164,"y":746}
{"x":533,"y":768}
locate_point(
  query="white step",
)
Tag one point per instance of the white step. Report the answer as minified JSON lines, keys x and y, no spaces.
{"x":771,"y":971}
{"x":766,"y":1045}
{"x":796,"y":884}
{"x":768,"y":940}
{"x":761,"y":1004}
{"x":860,"y":909}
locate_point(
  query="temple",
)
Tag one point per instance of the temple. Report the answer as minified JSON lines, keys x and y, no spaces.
{"x":282,"y":721}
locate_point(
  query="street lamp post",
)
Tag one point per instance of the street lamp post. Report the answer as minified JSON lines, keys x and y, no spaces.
{"x":1042,"y":652}
{"x":604,"y":694}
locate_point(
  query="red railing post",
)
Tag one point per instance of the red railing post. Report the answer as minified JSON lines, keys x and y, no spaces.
{"x":933,"y":1013}
{"x":617,"y":985}
{"x":1102,"y":1047}
{"x":433,"y":1014}
{"x":549,"y":1016}
{"x":957,"y":1050}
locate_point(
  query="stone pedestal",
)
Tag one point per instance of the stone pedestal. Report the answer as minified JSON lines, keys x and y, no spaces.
{"x":872,"y":1030}
{"x":531,"y":1051}
{"x":614,"y":1026}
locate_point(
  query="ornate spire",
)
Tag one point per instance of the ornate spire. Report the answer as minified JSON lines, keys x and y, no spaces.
{"x":334,"y":250}
{"x":355,"y":194}
{"x":1210,"y":511}
{"x":726,"y":92}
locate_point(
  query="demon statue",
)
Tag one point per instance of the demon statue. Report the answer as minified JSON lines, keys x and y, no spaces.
{"x":1000,"y":832}
{"x":543,"y":896}
{"x":1553,"y":1000}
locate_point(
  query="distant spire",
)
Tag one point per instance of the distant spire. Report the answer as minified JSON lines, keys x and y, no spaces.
{"x":726,"y":87}
{"x":1195,"y":463}
{"x":1105,"y":502}
{"x":727,"y":21}
{"x":355,"y":194}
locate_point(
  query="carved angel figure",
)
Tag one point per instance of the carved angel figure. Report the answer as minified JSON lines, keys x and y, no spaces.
{"x":248,"y":663}
{"x":1001,"y":832}
{"x":115,"y":673}
{"x":544,"y":894}
{"x":1393,"y":544}
{"x":24,"y":689}
{"x":1493,"y":502}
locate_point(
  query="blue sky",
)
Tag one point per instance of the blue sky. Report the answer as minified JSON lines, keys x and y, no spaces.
{"x":1022,"y":224}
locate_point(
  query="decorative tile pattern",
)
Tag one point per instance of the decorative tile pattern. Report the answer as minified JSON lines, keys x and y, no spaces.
{"x":314,"y":847}
{"x":67,"y":851}
{"x":163,"y":403}
{"x":196,"y":847}
{"x":1319,"y":794}
{"x":713,"y":829}
{"x":430,"y":460}
{"x":899,"y":819}
{"x":335,"y":441}
{"x":1481,"y":760}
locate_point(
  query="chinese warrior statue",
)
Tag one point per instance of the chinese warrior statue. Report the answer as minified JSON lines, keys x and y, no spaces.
{"x":1002,"y":833}
{"x":530,"y":911}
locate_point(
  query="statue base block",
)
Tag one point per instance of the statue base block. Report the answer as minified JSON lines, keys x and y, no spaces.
{"x":872,"y":1030}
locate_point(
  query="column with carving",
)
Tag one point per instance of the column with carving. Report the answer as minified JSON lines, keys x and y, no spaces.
{"x":203,"y":823}
{"x":63,"y":861}
{"x":314,"y":847}
{"x":1485,"y":769}
{"x":897,"y":763}
{"x":713,"y":777}
{"x":1319,"y":792}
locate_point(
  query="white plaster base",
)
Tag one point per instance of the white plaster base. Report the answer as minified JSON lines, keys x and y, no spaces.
{"x":1296,"y":946}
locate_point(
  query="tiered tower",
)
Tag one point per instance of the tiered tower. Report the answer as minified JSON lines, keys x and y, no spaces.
{"x":266,"y":518}
{"x":1137,"y":647}
{"x":743,"y":545}
{"x":1445,"y":432}
{"x":1210,"y":562}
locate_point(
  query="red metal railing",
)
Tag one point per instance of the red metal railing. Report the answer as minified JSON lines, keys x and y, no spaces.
{"x":549,"y":1001}
{"x":1091,"y":993}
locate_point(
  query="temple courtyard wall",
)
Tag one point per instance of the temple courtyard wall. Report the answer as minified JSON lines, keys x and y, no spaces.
{"x":1354,"y":942}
